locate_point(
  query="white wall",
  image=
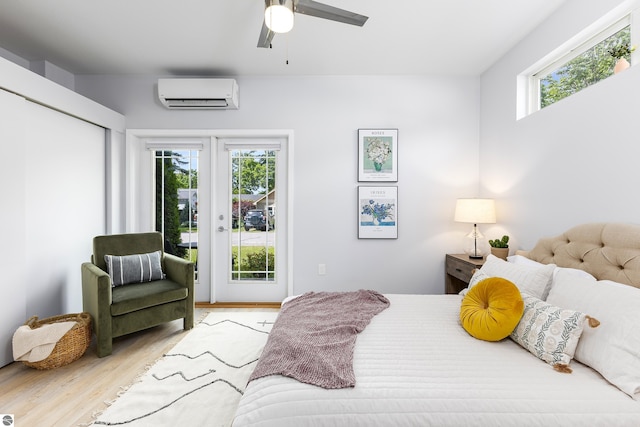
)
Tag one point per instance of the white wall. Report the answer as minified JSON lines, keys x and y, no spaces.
{"x":437,"y":118}
{"x":573,"y":162}
{"x":53,"y":73}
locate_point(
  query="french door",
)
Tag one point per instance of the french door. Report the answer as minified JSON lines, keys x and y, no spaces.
{"x":181,"y":196}
{"x":250,"y":237}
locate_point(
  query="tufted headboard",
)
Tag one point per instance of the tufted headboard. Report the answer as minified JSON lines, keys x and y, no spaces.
{"x":608,"y":251}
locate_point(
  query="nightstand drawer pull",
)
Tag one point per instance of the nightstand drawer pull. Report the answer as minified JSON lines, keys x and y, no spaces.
{"x":458,"y":270}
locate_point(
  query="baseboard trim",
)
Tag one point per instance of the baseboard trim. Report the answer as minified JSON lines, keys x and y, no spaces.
{"x":238,"y":305}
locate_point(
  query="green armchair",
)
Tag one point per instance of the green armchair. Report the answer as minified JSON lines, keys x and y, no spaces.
{"x":121,"y":310}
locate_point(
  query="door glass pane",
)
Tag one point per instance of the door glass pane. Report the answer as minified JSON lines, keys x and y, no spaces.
{"x":253,"y":212}
{"x":176,"y":184}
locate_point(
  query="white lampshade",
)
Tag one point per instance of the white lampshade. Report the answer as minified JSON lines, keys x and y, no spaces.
{"x":278,"y":16}
{"x":475,"y":211}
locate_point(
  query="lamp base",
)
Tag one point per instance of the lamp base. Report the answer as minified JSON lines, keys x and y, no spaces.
{"x":475,"y":245}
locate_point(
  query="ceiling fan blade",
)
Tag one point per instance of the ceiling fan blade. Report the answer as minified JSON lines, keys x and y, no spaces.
{"x":266,"y":35}
{"x":324,"y":11}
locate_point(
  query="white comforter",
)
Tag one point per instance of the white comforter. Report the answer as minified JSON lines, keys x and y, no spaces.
{"x":416,"y":366}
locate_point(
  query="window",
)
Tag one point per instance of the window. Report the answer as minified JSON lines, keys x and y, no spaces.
{"x":253,"y":175}
{"x":581,"y":71}
{"x":586,"y":59}
{"x":176,"y":210}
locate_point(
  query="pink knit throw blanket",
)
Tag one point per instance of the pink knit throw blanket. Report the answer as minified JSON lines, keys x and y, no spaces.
{"x":314,"y":336}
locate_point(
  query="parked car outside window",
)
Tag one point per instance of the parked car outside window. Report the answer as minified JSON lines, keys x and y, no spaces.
{"x":257,"y":219}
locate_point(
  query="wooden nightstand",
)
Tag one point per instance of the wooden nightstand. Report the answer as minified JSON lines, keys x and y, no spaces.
{"x":458,"y":270}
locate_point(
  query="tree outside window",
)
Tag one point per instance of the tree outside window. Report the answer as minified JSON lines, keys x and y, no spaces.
{"x":584,"y":70}
{"x":176,"y":173}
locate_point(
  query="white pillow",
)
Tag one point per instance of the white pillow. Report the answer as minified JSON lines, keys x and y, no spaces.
{"x":477,"y":277}
{"x":613,"y":349}
{"x":564,"y":273}
{"x":533,"y":280}
{"x":522,"y":260}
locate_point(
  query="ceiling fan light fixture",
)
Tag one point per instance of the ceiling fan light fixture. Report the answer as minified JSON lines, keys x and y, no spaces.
{"x":278,"y":16}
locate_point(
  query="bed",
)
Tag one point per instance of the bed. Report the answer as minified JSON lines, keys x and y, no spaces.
{"x":415,"y":365}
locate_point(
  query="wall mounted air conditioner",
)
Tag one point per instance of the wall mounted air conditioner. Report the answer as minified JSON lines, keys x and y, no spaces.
{"x":198,"y":94}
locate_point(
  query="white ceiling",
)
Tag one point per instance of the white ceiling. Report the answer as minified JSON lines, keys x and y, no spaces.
{"x":219,"y":37}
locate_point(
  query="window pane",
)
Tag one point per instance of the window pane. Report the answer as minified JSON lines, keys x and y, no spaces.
{"x":177,"y":201}
{"x":253,"y":202}
{"x":586,"y":69}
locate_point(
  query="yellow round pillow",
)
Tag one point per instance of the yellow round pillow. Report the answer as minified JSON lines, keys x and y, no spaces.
{"x":491,"y":309}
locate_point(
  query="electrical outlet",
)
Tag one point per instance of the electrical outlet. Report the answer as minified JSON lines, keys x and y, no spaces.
{"x":322,"y":269}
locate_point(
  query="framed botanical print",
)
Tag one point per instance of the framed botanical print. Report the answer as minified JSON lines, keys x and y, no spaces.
{"x":378,"y":155}
{"x":377,"y":212}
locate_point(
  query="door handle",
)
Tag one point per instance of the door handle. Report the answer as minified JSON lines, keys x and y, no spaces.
{"x":221,"y":228}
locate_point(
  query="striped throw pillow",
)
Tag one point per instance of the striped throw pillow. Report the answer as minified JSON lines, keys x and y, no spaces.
{"x":138,"y":268}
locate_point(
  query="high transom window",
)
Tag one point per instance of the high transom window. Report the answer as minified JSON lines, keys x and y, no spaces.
{"x":566,"y":77}
{"x":586,"y":59}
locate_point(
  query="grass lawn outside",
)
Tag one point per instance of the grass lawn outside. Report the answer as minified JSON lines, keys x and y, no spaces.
{"x":249,"y":254}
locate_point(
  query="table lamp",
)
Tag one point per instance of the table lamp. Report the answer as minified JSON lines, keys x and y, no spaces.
{"x":475,"y":211}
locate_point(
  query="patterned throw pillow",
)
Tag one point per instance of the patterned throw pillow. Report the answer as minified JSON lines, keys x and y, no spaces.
{"x":136,"y":268}
{"x":550,"y":333}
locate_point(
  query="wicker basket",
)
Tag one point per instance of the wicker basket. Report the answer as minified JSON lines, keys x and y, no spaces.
{"x":71,"y":346}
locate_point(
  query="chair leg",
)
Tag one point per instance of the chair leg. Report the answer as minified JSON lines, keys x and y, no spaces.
{"x":188,"y":318}
{"x":103,"y":346}
{"x":188,"y":323}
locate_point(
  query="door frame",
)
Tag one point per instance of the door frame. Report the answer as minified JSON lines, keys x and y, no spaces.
{"x":136,"y":184}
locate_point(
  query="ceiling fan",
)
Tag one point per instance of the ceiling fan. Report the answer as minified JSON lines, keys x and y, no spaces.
{"x":284,"y":9}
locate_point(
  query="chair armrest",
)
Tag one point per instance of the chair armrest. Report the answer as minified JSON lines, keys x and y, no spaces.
{"x":182,"y":272}
{"x":96,"y":295}
{"x":179,"y":270}
{"x":96,"y":284}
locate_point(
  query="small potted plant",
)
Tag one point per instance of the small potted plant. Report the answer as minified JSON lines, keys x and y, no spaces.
{"x":620,"y":53}
{"x":500,"y":247}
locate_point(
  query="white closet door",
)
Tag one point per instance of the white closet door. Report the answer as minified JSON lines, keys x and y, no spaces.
{"x":13,"y":270}
{"x":65,"y":206}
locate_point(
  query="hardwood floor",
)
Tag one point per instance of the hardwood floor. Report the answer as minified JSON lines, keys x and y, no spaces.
{"x":70,"y":395}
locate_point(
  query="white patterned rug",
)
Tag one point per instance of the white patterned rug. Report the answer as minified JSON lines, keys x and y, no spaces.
{"x":200,"y":381}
